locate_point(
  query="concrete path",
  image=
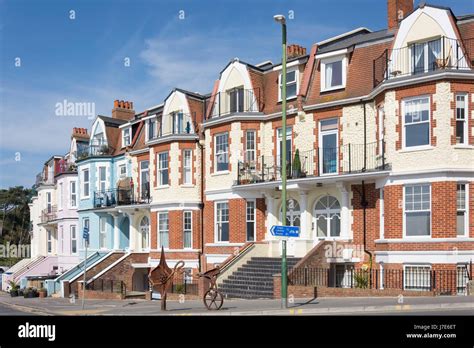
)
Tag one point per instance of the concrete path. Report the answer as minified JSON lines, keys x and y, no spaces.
{"x":322,"y":306}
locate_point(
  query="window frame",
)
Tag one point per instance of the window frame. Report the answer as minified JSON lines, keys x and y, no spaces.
{"x":126,"y":139}
{"x":404,"y":124}
{"x":254,"y":221}
{"x":161,"y":169}
{"x":49,"y":241}
{"x":73,"y":240}
{"x":189,"y":230}
{"x":297,"y":82}
{"x":102,"y":233}
{"x":84,"y":183}
{"x":405,"y":274}
{"x":466,"y":209}
{"x":100,"y":181}
{"x":60,"y":196}
{"x":330,"y":60}
{"x":405,"y":236}
{"x":189,"y":168}
{"x":216,"y":154}
{"x":73,"y":193}
{"x":216,"y":222}
{"x":160,"y":232}
{"x":252,"y":150}
{"x":466,"y":118}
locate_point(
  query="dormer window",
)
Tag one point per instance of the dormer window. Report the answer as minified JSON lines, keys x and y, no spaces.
{"x":151,"y":128}
{"x":126,"y":137}
{"x":291,"y":84}
{"x":426,"y":56}
{"x":333,"y":73}
{"x":178,"y":122}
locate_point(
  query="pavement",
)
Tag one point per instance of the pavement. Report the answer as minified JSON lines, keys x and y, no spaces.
{"x":442,"y":305}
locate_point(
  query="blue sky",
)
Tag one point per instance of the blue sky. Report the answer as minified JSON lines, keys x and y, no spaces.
{"x":82,"y":59}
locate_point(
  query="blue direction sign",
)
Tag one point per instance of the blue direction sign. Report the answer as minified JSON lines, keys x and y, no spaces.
{"x":285,"y":231}
{"x":85,"y":233}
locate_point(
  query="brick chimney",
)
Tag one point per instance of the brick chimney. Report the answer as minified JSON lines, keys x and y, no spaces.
{"x":294,"y":50}
{"x":123,"y":110}
{"x":396,"y":11}
{"x":79,"y":133}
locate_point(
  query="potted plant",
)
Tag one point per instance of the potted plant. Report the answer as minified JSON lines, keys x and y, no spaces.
{"x":296,"y":165}
{"x":43,"y":292}
{"x":30,"y":293}
{"x":14,"y":288}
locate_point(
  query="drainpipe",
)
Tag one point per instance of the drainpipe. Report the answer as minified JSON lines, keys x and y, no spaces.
{"x":201,"y":204}
{"x":365,"y":138}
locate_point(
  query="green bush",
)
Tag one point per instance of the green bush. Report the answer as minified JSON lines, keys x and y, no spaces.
{"x":361,"y":280}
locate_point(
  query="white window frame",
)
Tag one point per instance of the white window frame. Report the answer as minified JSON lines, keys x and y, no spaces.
{"x":216,"y":230}
{"x":149,"y":136}
{"x":404,"y":138}
{"x":321,"y":134}
{"x":422,"y":210}
{"x":85,"y":193}
{"x":216,"y":170}
{"x":73,"y":239}
{"x":253,"y":150}
{"x":329,"y":60}
{"x":466,"y":210}
{"x":189,"y":230}
{"x":425,"y":43}
{"x":187,"y":168}
{"x":60,"y":196}
{"x":73,"y":194}
{"x":237,"y":101}
{"x":297,"y":82}
{"x":120,"y":167}
{"x":406,"y":274}
{"x":254,"y":202}
{"x":102,"y":233}
{"x":161,"y":169}
{"x":466,"y":118}
{"x":161,"y":232}
{"x":49,"y":241}
{"x":126,"y":139}
{"x":143,"y":233}
{"x":100,"y":181}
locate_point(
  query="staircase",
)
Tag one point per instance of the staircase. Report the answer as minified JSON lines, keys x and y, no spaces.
{"x":254,"y":279}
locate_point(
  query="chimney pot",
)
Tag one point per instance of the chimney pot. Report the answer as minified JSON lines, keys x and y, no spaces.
{"x":127,"y":105}
{"x":131,"y":105}
{"x":116,"y":103}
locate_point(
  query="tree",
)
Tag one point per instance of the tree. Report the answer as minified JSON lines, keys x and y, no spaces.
{"x":15,"y":214}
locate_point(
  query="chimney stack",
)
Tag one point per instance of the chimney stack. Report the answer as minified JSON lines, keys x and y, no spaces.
{"x":123,"y":110}
{"x":294,"y":50}
{"x":396,"y":11}
{"x":79,"y":132}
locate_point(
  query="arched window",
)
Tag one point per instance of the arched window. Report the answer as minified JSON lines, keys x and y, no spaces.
{"x":293,"y":213}
{"x":145,"y":233}
{"x":327,"y":212}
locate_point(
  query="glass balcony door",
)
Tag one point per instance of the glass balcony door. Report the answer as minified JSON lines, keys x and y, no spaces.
{"x":328,"y":149}
{"x":425,"y":56}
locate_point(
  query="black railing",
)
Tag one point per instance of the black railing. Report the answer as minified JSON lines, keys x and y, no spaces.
{"x":442,"y":282}
{"x":234,"y":101}
{"x":346,"y":159}
{"x":114,"y":197}
{"x":108,"y":285}
{"x":183,"y":284}
{"x":49,"y":214}
{"x":177,"y":125}
{"x":439,"y":54}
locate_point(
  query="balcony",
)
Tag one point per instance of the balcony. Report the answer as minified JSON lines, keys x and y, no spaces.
{"x":425,"y":57}
{"x":44,"y":178}
{"x":235,"y":101}
{"x":319,"y":162}
{"x":96,"y":150}
{"x":66,"y":167}
{"x":49,"y":214}
{"x":117,"y":197}
{"x":180,"y":125}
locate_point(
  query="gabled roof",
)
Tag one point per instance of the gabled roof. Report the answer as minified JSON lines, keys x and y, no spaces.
{"x":112,"y":122}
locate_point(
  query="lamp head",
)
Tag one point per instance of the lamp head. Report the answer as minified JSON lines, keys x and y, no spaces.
{"x":280,"y":19}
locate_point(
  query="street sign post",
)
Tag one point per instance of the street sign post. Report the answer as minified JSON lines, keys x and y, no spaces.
{"x":285,"y":231}
{"x":85,"y":236}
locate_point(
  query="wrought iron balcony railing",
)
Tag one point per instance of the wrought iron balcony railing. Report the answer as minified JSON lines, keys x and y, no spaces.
{"x":234,"y":101}
{"x":116,"y":197}
{"x":346,"y":159}
{"x":176,"y":124}
{"x":95,"y":150}
{"x":49,"y":214}
{"x":439,"y":54}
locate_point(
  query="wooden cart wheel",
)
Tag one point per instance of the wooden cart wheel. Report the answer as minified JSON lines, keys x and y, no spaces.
{"x":213,"y":299}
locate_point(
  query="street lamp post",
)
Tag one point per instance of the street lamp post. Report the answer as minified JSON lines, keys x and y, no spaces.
{"x":284,"y":281}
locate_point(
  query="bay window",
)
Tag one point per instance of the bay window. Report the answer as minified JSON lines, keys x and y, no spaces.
{"x":461,"y":119}
{"x":416,"y":119}
{"x":163,"y":175}
{"x":222,"y":221}
{"x":461,"y":211}
{"x":187,"y":229}
{"x":85,"y":183}
{"x":417,"y":210}
{"x":187,"y":167}
{"x":222,"y":152}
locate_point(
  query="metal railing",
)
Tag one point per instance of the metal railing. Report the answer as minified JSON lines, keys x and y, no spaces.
{"x":174,"y":126}
{"x":183,"y":284}
{"x":442,"y":282}
{"x":115,"y":197}
{"x":95,"y":150}
{"x":346,"y":159}
{"x":66,"y":167}
{"x":108,"y":285}
{"x":44,"y":178}
{"x":49,"y":214}
{"x":234,"y":101}
{"x":440,"y":54}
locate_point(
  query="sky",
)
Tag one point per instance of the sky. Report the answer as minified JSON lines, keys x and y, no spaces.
{"x":96,"y":51}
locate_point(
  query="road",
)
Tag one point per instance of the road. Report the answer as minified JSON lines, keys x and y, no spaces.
{"x":9,"y":311}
